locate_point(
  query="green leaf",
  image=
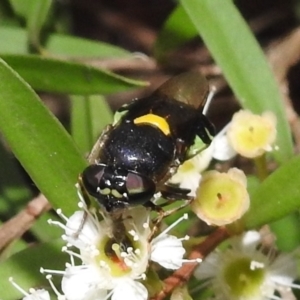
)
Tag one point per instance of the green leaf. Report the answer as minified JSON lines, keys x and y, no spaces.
{"x":20,"y":7}
{"x":101,"y":115}
{"x":43,"y":231}
{"x":89,"y":117}
{"x":177,"y":30}
{"x":236,"y":51}
{"x":59,"y":76}
{"x":14,"y":192}
{"x":276,"y":197}
{"x":25,"y":266}
{"x":81,"y":127}
{"x":39,"y":141}
{"x":13,"y":248}
{"x":36,"y":17}
{"x":13,"y":40}
{"x":6,"y":15}
{"x":287,"y":242}
{"x":59,"y":44}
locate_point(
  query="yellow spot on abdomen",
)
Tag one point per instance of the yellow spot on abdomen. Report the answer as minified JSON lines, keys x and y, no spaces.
{"x":154,"y":120}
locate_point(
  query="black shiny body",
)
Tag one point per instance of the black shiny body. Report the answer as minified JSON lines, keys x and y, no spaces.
{"x":146,"y":149}
{"x":143,"y":155}
{"x":143,"y":149}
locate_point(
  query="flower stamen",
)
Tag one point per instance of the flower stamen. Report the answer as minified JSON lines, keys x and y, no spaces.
{"x":49,"y":271}
{"x":195,"y":260}
{"x":184,"y":217}
{"x":54,"y":289}
{"x":22,"y":291}
{"x":256,"y":265}
{"x":109,"y":295}
{"x":185,"y":238}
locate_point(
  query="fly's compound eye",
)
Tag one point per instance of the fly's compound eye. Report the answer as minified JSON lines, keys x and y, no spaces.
{"x":91,"y":177}
{"x":126,"y":187}
{"x":140,"y":188}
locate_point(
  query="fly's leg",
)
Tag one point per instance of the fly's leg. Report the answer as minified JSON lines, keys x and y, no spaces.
{"x":157,"y":221}
{"x":163,"y":214}
{"x":174,"y":193}
{"x":205,"y":129}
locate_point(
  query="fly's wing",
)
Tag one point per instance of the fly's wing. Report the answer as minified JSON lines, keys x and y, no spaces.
{"x":191,"y":88}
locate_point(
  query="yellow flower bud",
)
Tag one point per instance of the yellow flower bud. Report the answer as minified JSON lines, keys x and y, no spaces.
{"x":221,"y":198}
{"x":252,"y":135}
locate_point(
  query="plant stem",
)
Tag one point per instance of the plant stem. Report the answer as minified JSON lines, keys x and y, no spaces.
{"x":261,"y":167}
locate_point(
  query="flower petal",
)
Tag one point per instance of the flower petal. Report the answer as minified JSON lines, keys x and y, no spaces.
{"x":208,"y":268}
{"x":81,"y":230}
{"x":221,"y":198}
{"x":129,"y":289}
{"x":82,"y":282}
{"x":167,"y":250}
{"x":38,"y":295}
{"x":251,"y":135}
{"x":284,"y":269}
{"x":222,"y":149}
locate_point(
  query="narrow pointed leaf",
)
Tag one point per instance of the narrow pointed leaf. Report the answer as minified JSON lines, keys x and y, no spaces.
{"x":20,"y":7}
{"x":36,"y":18}
{"x":25,"y":266}
{"x":53,"y":75}
{"x":13,"y":40}
{"x":89,"y":117}
{"x":177,"y":30}
{"x":39,"y":141}
{"x":236,"y":51}
{"x":60,"y":44}
{"x":276,"y":197}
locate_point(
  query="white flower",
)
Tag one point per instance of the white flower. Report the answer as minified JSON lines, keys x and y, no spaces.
{"x":167,"y":249}
{"x":243,"y":272}
{"x":81,"y":282}
{"x":85,"y":282}
{"x":188,"y":175}
{"x":164,"y":250}
{"x":125,"y":290}
{"x":221,"y":198}
{"x":247,"y":134}
{"x":251,"y":135}
{"x":112,"y":267}
{"x":39,"y":294}
{"x":107,"y":265}
{"x":222,"y":149}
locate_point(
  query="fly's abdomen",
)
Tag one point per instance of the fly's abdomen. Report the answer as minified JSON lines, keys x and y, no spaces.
{"x":140,"y":148}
